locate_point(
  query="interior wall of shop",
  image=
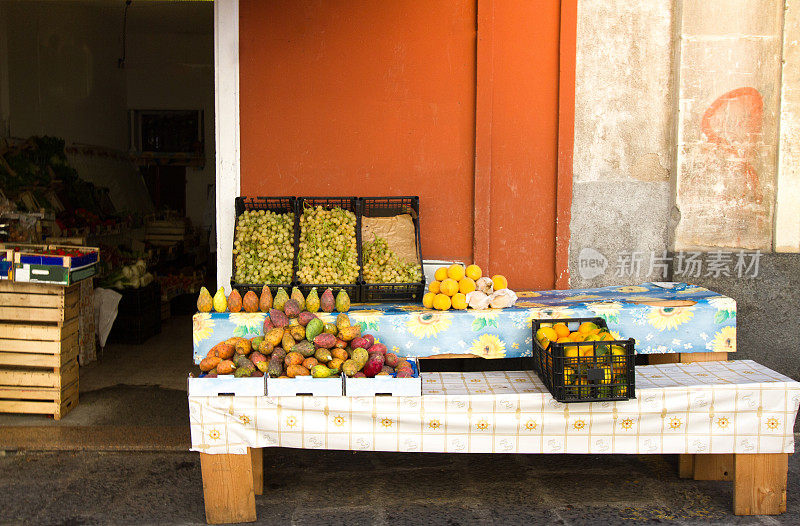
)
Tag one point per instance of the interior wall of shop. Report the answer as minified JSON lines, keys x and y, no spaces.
{"x":374,"y":98}
{"x":170,"y":66}
{"x":64,"y":81}
{"x":677,"y":108}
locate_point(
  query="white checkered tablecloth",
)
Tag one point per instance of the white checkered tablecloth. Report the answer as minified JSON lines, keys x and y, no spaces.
{"x":707,"y":407}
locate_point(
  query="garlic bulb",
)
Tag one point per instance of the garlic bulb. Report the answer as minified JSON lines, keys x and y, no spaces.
{"x":478,"y":300}
{"x":484,"y":285}
{"x":502,"y":298}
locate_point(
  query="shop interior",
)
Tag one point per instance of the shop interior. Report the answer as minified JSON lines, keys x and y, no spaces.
{"x":107,"y":141}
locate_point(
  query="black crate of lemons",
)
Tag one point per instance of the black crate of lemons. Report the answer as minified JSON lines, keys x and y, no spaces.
{"x":579,"y":360}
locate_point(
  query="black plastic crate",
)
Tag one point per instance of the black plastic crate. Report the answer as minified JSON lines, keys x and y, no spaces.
{"x":138,"y":329}
{"x":388,"y":207}
{"x":590,"y":371}
{"x":143,"y":299}
{"x":280,"y":205}
{"x":348,"y":203}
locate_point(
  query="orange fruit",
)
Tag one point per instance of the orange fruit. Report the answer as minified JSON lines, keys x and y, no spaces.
{"x":459,"y":301}
{"x":455,"y":271}
{"x":427,"y":300}
{"x":466,"y":285}
{"x":561,"y":329}
{"x":441,"y":274}
{"x":500,"y":282}
{"x":435,"y":287}
{"x":560,"y":340}
{"x":607,"y":337}
{"x":587,"y":350}
{"x":576,"y":337}
{"x":449,"y":286}
{"x":473,"y":272}
{"x":441,"y":302}
{"x":586,"y":327}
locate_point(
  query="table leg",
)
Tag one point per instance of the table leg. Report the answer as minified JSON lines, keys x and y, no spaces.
{"x":759,"y":486}
{"x":686,"y":466}
{"x":228,"y":488}
{"x":257,"y":454}
{"x":713,"y":467}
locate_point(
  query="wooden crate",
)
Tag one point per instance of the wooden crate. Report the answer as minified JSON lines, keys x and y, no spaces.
{"x":39,"y":346}
{"x":165,"y":231}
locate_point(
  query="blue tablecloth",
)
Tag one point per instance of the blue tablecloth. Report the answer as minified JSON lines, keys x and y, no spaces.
{"x":662,"y":317}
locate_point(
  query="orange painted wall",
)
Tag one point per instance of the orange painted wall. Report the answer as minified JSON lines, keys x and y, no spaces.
{"x":379,"y":98}
{"x":363,"y":98}
{"x":524,"y":143}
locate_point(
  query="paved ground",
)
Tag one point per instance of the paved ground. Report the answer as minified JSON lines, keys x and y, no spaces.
{"x":330,"y":487}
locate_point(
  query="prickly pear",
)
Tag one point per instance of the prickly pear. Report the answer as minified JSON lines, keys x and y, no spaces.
{"x":204,"y":301}
{"x":280,"y":299}
{"x":342,"y":301}
{"x":220,"y":301}
{"x":326,"y":302}
{"x":312,"y":301}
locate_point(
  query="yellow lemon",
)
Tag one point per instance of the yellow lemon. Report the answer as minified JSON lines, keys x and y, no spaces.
{"x":427,"y":300}
{"x":587,"y":350}
{"x":576,"y":336}
{"x":441,"y":273}
{"x":586,"y":327}
{"x":546,"y":333}
{"x":459,"y":301}
{"x":466,"y":285}
{"x":441,"y":302}
{"x":571,"y":351}
{"x":435,"y":286}
{"x":455,"y":271}
{"x":569,"y":375}
{"x":607,"y":337}
{"x":561,"y":329}
{"x":500,"y":282}
{"x":617,"y":350}
{"x":474,"y":272}
{"x":563,"y":339}
{"x":449,"y":286}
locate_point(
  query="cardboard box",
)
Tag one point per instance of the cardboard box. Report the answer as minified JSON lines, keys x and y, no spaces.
{"x":31,"y":266}
{"x":7,"y":264}
{"x":385,"y":385}
{"x":227,"y":385}
{"x":305,"y":386}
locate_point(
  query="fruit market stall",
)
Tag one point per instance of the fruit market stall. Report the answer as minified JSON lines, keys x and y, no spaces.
{"x":706,"y":409}
{"x":661,"y":317}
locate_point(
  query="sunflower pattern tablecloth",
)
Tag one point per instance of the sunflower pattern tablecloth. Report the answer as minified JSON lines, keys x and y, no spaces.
{"x":707,"y":407}
{"x":706,"y":322}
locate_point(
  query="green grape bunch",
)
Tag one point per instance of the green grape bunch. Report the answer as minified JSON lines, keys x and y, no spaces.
{"x":328,"y":251}
{"x":381,"y":264}
{"x":263,"y":247}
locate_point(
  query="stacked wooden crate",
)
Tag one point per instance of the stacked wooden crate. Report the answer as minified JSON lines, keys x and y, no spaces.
{"x":39,"y":348}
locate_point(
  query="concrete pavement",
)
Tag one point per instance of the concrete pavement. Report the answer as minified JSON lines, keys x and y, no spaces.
{"x":340,"y":487}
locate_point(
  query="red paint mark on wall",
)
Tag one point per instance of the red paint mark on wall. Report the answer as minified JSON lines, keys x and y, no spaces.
{"x":734,"y":123}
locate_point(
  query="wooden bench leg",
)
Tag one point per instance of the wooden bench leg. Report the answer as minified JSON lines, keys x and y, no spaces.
{"x":257,"y":454}
{"x":228,"y":488}
{"x":759,"y":486}
{"x":686,"y":466}
{"x":713,"y":467}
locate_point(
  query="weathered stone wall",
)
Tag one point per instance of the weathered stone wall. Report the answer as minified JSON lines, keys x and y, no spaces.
{"x":687,"y":125}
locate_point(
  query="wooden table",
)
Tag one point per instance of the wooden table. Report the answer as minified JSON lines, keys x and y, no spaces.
{"x":747,"y":410}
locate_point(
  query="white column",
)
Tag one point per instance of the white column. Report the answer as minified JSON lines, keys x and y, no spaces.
{"x":226,"y":100}
{"x":787,"y":211}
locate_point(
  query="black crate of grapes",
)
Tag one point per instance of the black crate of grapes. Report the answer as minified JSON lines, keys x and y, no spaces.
{"x":329,"y":237}
{"x":411,"y":285}
{"x":265,"y":243}
{"x":587,"y":365}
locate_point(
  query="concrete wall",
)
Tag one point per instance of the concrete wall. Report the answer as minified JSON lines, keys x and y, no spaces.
{"x":684,"y":139}
{"x":623,"y":135}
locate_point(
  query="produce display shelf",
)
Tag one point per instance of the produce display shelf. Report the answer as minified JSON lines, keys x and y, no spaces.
{"x":39,"y":345}
{"x":388,"y":207}
{"x":347,"y":203}
{"x":280,"y":205}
